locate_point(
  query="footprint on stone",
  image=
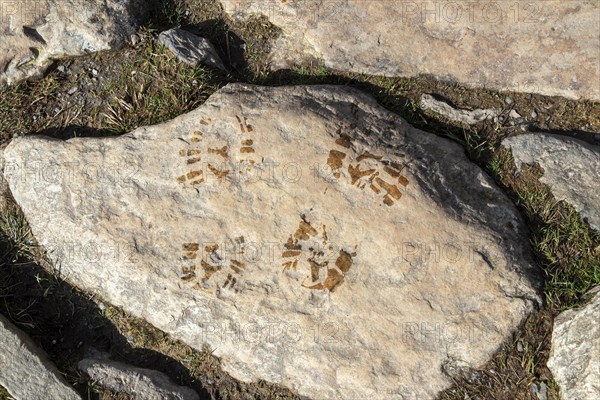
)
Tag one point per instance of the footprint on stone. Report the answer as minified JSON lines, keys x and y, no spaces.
{"x":247,"y":152}
{"x":300,"y":248}
{"x":192,"y":157}
{"x":383,"y":177}
{"x":211,"y":264}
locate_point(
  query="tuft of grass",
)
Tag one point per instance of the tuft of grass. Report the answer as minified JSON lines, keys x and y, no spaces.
{"x":153,"y":88}
{"x":16,"y":239}
{"x":494,"y":167}
{"x":4,"y":395}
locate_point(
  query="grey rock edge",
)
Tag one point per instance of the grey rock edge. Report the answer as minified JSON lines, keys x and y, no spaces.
{"x":306,"y":235}
{"x":191,"y":49}
{"x":33,"y":34}
{"x":542,"y":47}
{"x":570,"y":169}
{"x":140,"y":383}
{"x":429,"y":103}
{"x":575,"y":354}
{"x":25,"y":371}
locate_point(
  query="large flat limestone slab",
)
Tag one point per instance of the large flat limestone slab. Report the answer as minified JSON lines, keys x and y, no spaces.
{"x":308,"y":236}
{"x":548,"y":47}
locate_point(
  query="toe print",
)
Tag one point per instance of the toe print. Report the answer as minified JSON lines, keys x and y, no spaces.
{"x":206,"y":264}
{"x":303,"y":248}
{"x":212,"y":158}
{"x":193,"y":158}
{"x":246,"y":152}
{"x":335,"y":274}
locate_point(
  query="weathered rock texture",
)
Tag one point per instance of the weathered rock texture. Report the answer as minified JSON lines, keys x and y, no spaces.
{"x":548,"y":47}
{"x":139,"y":383}
{"x":33,"y":33}
{"x":25,"y":371}
{"x":575,"y":355}
{"x":570,"y":169}
{"x":468,"y":117}
{"x":191,"y":49}
{"x":308,"y":236}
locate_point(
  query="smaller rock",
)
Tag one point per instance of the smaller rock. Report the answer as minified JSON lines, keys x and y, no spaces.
{"x":539,"y":391}
{"x":135,"y":39}
{"x":73,"y":90}
{"x":508,"y":100}
{"x":465,"y":116}
{"x":514,"y":114}
{"x":534,"y":114}
{"x":24,"y":369}
{"x":191,"y":49}
{"x":140,"y":383}
{"x":570,"y":169}
{"x":520,"y":346}
{"x":575,"y":354}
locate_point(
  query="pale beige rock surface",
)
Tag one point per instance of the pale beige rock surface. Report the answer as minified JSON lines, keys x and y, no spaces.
{"x":469,"y":117}
{"x":308,"y":236}
{"x":25,"y":371}
{"x":33,"y":33}
{"x":570,"y":167}
{"x":139,"y":383}
{"x":575,"y":354}
{"x":547,"y":47}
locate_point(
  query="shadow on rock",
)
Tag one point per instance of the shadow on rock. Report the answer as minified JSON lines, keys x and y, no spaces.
{"x":589,"y":137}
{"x":229,"y":46}
{"x":73,"y":131}
{"x":67,"y":323}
